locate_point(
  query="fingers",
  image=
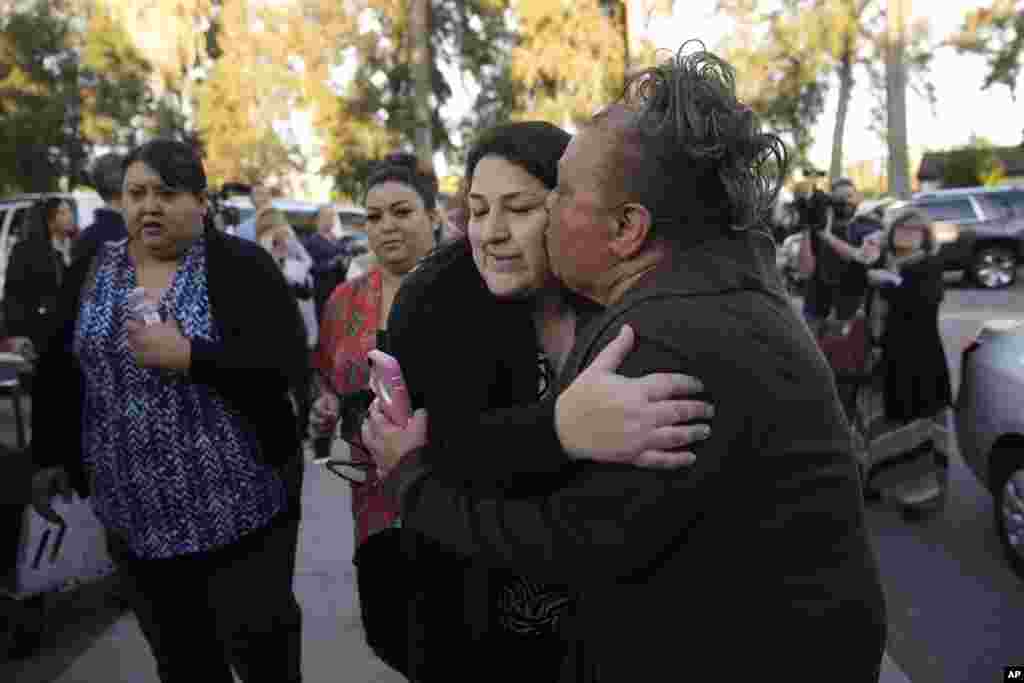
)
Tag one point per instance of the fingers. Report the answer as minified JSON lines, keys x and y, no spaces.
{"x":665,"y":413}
{"x":677,"y":436}
{"x":377,"y":415}
{"x":368,"y":435}
{"x":662,"y":385}
{"x":665,"y":460}
{"x":133,"y":326}
{"x":611,"y":356}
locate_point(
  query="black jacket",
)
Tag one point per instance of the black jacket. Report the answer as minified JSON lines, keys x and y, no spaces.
{"x":107,"y":226}
{"x":34,"y":273}
{"x":260,"y":366}
{"x":755,"y":556}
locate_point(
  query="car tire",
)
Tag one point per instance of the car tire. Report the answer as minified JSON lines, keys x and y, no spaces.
{"x":994,"y":267}
{"x":1008,"y":495}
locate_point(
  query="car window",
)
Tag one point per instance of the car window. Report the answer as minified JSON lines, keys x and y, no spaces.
{"x":1014,"y":199}
{"x":952,"y":210}
{"x":994,"y":206}
{"x":351,"y":219}
{"x":302,"y":221}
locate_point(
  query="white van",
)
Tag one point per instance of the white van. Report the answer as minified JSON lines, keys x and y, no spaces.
{"x":14,"y":213}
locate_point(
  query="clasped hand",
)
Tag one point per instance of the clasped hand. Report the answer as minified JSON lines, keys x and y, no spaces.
{"x":161,"y":345}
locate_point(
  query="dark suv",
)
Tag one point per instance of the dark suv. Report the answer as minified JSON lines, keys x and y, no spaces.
{"x":991,"y":222}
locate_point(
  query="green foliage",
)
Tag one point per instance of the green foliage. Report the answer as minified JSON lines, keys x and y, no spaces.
{"x":63,"y":91}
{"x":995,"y":32}
{"x":783,"y":70}
{"x":787,"y":53}
{"x":32,"y":118}
{"x":971,"y":165}
{"x":114,"y":81}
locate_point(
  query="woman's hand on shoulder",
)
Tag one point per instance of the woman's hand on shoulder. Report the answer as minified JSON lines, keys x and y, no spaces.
{"x":607,"y":417}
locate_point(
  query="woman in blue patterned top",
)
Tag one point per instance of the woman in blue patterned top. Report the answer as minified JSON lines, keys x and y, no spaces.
{"x":182,"y":430}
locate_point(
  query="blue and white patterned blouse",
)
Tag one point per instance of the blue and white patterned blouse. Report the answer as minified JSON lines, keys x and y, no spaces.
{"x":172,"y":467}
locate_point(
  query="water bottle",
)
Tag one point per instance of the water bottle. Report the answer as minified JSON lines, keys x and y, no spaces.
{"x":142,"y":307}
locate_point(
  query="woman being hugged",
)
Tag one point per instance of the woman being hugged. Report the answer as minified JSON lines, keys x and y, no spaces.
{"x":181,"y":427}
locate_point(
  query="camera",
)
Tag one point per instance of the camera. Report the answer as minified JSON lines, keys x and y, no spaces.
{"x":812,"y":209}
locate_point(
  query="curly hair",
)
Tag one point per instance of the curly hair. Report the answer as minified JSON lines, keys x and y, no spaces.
{"x":690,"y":151}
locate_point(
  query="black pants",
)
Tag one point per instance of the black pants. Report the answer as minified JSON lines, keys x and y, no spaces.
{"x":232,"y":607}
{"x":823,"y":298}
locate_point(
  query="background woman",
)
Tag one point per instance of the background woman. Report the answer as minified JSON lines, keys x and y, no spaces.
{"x":181,"y":431}
{"x":275,"y":235}
{"x":35,"y":270}
{"x":401,"y":204}
{"x":917,"y":383}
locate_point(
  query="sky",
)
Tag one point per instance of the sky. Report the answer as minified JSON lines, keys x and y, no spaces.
{"x":962,"y":108}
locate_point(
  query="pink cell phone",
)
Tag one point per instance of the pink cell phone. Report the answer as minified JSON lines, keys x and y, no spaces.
{"x":389,"y":386}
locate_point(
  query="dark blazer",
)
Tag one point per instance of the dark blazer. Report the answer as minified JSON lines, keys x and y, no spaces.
{"x":31,"y":288}
{"x":757,"y":556}
{"x":260,"y":366}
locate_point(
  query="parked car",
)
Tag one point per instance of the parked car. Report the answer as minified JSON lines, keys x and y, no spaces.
{"x":301,"y":216}
{"x":14,"y":213}
{"x":990,"y":426}
{"x":991,"y":221}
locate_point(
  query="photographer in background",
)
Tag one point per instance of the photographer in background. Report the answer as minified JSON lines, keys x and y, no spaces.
{"x":839,"y":280}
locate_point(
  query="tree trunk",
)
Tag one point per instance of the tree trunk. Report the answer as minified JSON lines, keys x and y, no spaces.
{"x":845,"y":93}
{"x":896,"y":98}
{"x":422,"y":67}
{"x":624,"y":27}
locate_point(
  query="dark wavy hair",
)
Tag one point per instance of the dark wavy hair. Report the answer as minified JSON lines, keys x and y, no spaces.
{"x":691,"y":152}
{"x":534,"y":146}
{"x":177,"y":163}
{"x":405,"y":168}
{"x":42,"y":212}
{"x":108,"y":176}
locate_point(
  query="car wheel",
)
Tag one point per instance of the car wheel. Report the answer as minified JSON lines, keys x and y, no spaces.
{"x":994,"y":267}
{"x":1008,"y":490}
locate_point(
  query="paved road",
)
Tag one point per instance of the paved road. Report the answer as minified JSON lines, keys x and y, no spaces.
{"x":956,"y":612}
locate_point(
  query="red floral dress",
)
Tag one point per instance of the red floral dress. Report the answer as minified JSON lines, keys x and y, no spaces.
{"x":348,"y":332}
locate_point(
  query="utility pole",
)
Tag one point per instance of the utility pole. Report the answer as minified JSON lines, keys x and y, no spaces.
{"x":896,"y":97}
{"x":422,"y":69}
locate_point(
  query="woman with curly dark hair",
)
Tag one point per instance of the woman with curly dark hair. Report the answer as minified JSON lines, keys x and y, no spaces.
{"x":757,"y":556}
